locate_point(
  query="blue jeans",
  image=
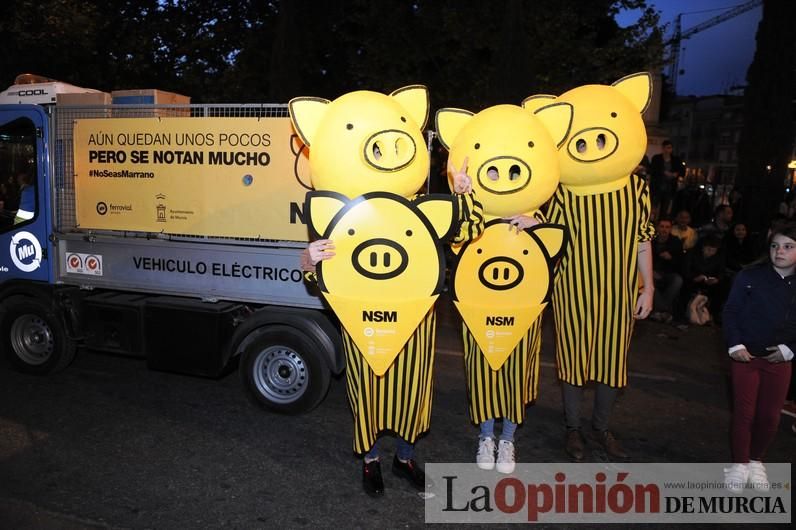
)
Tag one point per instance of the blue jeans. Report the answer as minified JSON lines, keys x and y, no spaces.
{"x":403,"y":449}
{"x":488,"y":429}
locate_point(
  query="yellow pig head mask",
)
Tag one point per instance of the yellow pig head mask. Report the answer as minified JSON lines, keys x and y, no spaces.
{"x":608,"y":137}
{"x":512,"y":152}
{"x":365,"y":141}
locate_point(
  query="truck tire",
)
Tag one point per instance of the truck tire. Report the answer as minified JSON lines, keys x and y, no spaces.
{"x":282,"y":370}
{"x":34,"y":339}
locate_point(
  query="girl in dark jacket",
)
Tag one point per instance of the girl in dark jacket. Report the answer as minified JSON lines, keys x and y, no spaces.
{"x":760,"y":330}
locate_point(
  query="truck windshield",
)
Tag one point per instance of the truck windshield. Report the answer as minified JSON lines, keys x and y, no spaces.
{"x":17,"y":173}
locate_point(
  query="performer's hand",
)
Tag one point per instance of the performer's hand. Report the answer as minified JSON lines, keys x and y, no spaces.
{"x":304,"y":260}
{"x":521,"y":222}
{"x":741,"y":355}
{"x":775,"y":356}
{"x":462,"y":183}
{"x":320,"y":249}
{"x":643,"y":305}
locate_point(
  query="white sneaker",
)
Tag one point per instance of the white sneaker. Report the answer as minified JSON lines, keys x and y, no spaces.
{"x":505,"y":459}
{"x":758,"y":478}
{"x":735,"y":477}
{"x":485,"y":458}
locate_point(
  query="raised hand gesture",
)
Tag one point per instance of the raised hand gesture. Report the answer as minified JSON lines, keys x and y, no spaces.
{"x":462,"y":183}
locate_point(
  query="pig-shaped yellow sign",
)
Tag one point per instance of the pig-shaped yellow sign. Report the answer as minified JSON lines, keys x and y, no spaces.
{"x":365,"y":141}
{"x":367,"y":158}
{"x":608,"y":135}
{"x":389,"y":266}
{"x":511,"y":153}
{"x":502,"y":282}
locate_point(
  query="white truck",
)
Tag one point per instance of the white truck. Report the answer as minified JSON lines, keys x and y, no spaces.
{"x":168,"y":232}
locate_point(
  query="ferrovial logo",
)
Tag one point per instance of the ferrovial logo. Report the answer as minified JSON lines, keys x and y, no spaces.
{"x":102,"y":208}
{"x":25,"y":251}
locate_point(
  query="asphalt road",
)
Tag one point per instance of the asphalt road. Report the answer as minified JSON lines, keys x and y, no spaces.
{"x":109,"y":444}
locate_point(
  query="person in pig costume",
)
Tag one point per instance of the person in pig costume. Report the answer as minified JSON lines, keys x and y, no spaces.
{"x":607,"y":211}
{"x":501,"y":281}
{"x":367,"y":154}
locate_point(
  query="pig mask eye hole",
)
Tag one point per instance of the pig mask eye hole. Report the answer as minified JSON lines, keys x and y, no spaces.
{"x":349,"y":126}
{"x":479,"y":250}
{"x":477,"y":146}
{"x":613,"y":114}
{"x":351,"y":232}
{"x":530,"y":144}
{"x":409,"y":233}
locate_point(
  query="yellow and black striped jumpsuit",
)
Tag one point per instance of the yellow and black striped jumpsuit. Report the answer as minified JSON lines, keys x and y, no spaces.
{"x":400,"y":400}
{"x":596,"y":285}
{"x":503,"y":393}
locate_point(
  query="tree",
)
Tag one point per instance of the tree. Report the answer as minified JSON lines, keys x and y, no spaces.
{"x":766,"y":141}
{"x":470,"y":53}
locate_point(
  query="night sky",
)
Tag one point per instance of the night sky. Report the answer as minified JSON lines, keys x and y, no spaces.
{"x":715,"y":59}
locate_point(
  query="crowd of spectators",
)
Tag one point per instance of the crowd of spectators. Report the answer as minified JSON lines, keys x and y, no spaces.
{"x":699,"y":245}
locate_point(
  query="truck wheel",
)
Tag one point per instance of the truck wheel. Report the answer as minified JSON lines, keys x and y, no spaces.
{"x":282,"y":370}
{"x":34,"y":339}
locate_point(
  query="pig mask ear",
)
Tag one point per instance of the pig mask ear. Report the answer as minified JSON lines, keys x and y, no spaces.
{"x":414,"y":99}
{"x":534,"y":103}
{"x":306,"y":114}
{"x":557,"y":119}
{"x":552,"y":237}
{"x":449,"y":123}
{"x":440,"y":212}
{"x":637,"y":88}
{"x":322,"y":207}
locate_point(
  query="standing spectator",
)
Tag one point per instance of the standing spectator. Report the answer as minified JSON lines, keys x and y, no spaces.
{"x":760,"y":330}
{"x":705,"y":272}
{"x":740,"y":248}
{"x":683,"y":230}
{"x":737,"y":205}
{"x":643,"y":168}
{"x":667,"y":255}
{"x":694,"y":199}
{"x":722,"y":220}
{"x":665,"y":168}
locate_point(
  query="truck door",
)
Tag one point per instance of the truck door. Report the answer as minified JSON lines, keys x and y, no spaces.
{"x":24,"y":193}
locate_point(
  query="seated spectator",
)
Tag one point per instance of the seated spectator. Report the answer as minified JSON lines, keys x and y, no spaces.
{"x":667,"y":255}
{"x":787,"y":208}
{"x":740,"y":249}
{"x":705,"y":272}
{"x":683,"y":231}
{"x":722,"y":219}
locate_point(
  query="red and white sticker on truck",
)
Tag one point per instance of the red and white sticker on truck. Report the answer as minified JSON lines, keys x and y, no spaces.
{"x":90,"y":264}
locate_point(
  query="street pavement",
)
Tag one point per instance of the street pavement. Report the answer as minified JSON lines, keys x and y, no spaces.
{"x":109,"y":444}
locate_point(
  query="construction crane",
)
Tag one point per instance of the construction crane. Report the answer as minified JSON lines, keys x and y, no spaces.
{"x":676,"y":41}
